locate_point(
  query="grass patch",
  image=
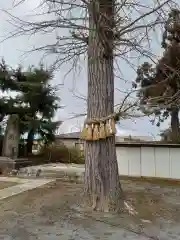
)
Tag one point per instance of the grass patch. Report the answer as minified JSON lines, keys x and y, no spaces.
{"x":153,"y":198}
{"x":148,"y":205}
{"x":163,"y":182}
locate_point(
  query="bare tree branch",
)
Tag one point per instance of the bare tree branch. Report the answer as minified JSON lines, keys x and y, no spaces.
{"x":132,"y":29}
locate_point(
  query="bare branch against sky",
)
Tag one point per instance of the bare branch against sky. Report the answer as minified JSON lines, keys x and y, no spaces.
{"x":135,"y":26}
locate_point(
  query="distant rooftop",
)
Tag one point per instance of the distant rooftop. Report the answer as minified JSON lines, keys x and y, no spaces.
{"x":72,"y":135}
{"x":76,"y":135}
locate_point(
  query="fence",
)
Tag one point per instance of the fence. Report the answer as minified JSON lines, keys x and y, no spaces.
{"x":149,"y":160}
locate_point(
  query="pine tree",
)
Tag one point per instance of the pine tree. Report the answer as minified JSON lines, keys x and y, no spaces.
{"x":160,"y":84}
{"x":35,"y":103}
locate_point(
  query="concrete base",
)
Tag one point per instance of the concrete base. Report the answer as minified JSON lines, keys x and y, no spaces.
{"x":9,"y":164}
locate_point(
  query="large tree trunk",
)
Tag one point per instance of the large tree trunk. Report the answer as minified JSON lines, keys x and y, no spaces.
{"x":102,"y":185}
{"x":175,"y":133}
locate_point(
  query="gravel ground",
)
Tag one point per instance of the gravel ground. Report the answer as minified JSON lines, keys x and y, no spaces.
{"x":6,"y":184}
{"x":52,"y":212}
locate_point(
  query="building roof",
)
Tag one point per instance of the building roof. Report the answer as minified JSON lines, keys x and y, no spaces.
{"x":133,"y":141}
{"x":72,"y":135}
{"x":76,"y":135}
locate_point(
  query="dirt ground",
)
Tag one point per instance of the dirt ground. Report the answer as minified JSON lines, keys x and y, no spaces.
{"x":52,"y":212}
{"x":6,"y":184}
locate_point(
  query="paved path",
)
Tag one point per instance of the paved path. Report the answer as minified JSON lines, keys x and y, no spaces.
{"x":23,"y":185}
{"x":60,"y":167}
{"x":61,"y":171}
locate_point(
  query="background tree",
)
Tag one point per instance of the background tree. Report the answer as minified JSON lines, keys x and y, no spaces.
{"x":105,"y":30}
{"x":35,"y":102}
{"x":166,"y":135}
{"x":160,"y":84}
{"x":43,"y":102}
{"x":11,"y":81}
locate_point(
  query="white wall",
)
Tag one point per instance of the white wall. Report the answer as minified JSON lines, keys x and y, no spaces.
{"x":148,"y":161}
{"x":161,"y":162}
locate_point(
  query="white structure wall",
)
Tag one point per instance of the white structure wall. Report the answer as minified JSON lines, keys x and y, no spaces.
{"x":149,"y":161}
{"x":146,"y":159}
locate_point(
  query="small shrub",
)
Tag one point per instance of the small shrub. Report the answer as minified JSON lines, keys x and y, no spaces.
{"x":59,"y":153}
{"x":76,"y":156}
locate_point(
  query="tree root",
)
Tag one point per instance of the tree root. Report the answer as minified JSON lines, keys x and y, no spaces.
{"x":97,"y":205}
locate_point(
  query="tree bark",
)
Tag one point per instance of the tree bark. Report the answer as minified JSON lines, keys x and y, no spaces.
{"x":30,"y":140}
{"x":102,"y":185}
{"x":175,"y":133}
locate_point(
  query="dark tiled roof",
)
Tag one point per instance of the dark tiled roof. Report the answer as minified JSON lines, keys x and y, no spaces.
{"x":76,"y":135}
{"x":73,"y":135}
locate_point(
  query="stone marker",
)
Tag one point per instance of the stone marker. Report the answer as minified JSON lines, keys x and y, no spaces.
{"x":10,"y":143}
{"x":9,"y":159}
{"x":11,"y":138}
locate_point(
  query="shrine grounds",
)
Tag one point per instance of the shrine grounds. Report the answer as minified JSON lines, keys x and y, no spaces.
{"x":54,"y":211}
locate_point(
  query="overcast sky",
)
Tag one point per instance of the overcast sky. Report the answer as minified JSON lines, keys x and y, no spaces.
{"x":14,"y":53}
